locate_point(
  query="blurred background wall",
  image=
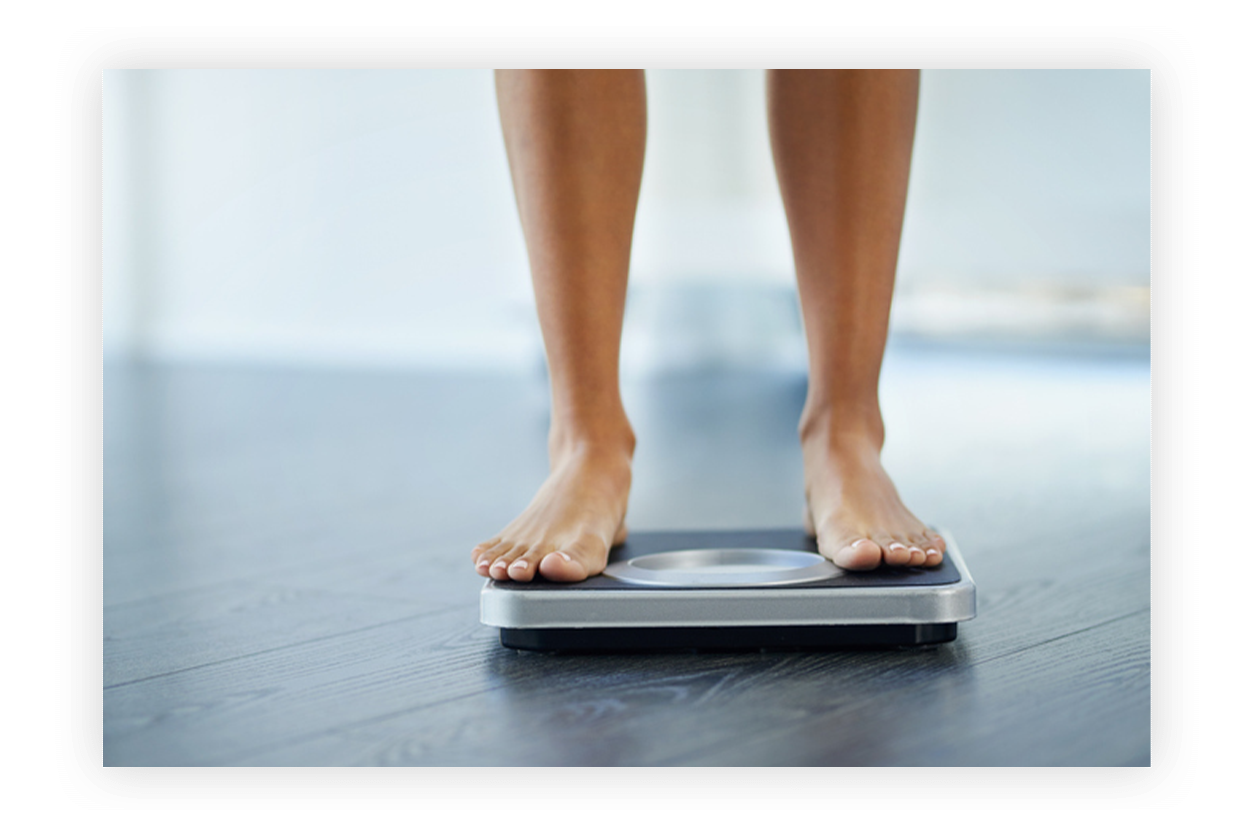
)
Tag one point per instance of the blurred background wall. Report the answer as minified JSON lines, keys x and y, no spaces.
{"x":367,"y":217}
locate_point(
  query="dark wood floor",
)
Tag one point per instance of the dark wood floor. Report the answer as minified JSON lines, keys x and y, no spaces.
{"x":287,"y":578}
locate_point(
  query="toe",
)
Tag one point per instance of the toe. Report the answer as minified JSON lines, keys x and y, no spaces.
{"x":919,"y":544}
{"x":562,"y":566}
{"x":932,"y":555}
{"x":896,"y":553}
{"x":477,"y":557}
{"x":859,"y":555}
{"x":577,"y":560}
{"x":484,"y":553}
{"x":524,"y":568}
{"x":499,"y":570}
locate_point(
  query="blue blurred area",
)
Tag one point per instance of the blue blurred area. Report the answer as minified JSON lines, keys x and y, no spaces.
{"x":336,"y":217}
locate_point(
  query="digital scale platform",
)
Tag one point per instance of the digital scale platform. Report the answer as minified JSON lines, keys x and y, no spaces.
{"x":731,"y":590}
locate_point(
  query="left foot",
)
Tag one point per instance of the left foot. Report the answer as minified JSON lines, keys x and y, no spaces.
{"x":853,"y":509}
{"x":565,"y":534}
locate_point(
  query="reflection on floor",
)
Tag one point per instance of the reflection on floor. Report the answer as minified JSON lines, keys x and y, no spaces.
{"x":287,"y":578}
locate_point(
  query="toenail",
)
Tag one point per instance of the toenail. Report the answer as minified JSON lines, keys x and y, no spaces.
{"x":521,"y":564}
{"x":933,"y":552}
{"x":565,"y":556}
{"x":857,"y":543}
{"x":895,"y":546}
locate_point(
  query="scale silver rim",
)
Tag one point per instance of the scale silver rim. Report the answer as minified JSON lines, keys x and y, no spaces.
{"x":723,"y":568}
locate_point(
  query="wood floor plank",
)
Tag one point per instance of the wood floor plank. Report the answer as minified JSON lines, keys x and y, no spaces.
{"x":227,"y":621}
{"x":205,"y":714}
{"x":1086,"y":695}
{"x":399,"y":672}
{"x":1082,"y":700}
{"x":286,"y":572}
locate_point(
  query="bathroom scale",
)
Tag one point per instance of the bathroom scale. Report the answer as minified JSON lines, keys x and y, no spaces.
{"x":731,"y":590}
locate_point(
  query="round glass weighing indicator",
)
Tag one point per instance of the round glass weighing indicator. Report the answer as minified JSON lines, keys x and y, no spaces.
{"x":723,"y":567}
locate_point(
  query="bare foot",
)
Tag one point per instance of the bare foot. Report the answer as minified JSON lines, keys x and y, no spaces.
{"x":565,"y":534}
{"x":853,"y":508}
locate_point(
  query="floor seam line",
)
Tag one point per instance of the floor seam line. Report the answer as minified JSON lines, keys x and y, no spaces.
{"x":275,"y":649}
{"x":1063,"y":636}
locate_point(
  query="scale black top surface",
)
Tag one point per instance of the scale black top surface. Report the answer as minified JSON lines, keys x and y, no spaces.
{"x":654,"y":542}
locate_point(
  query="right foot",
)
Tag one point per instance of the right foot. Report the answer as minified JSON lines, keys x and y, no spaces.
{"x":565,"y":534}
{"x":852,"y":507}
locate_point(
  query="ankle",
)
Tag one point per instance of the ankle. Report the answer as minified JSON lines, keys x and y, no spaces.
{"x":849,"y":426}
{"x":610,"y":439}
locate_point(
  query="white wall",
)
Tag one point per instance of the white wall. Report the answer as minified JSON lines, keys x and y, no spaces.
{"x":1024,"y":175}
{"x":367,"y":216}
{"x":323,"y":215}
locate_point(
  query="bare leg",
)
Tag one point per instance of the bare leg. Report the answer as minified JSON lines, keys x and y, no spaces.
{"x":842,"y":142}
{"x":575,"y":142}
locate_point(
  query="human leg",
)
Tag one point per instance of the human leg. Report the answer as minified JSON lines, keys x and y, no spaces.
{"x":842,"y":141}
{"x":575,"y":143}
